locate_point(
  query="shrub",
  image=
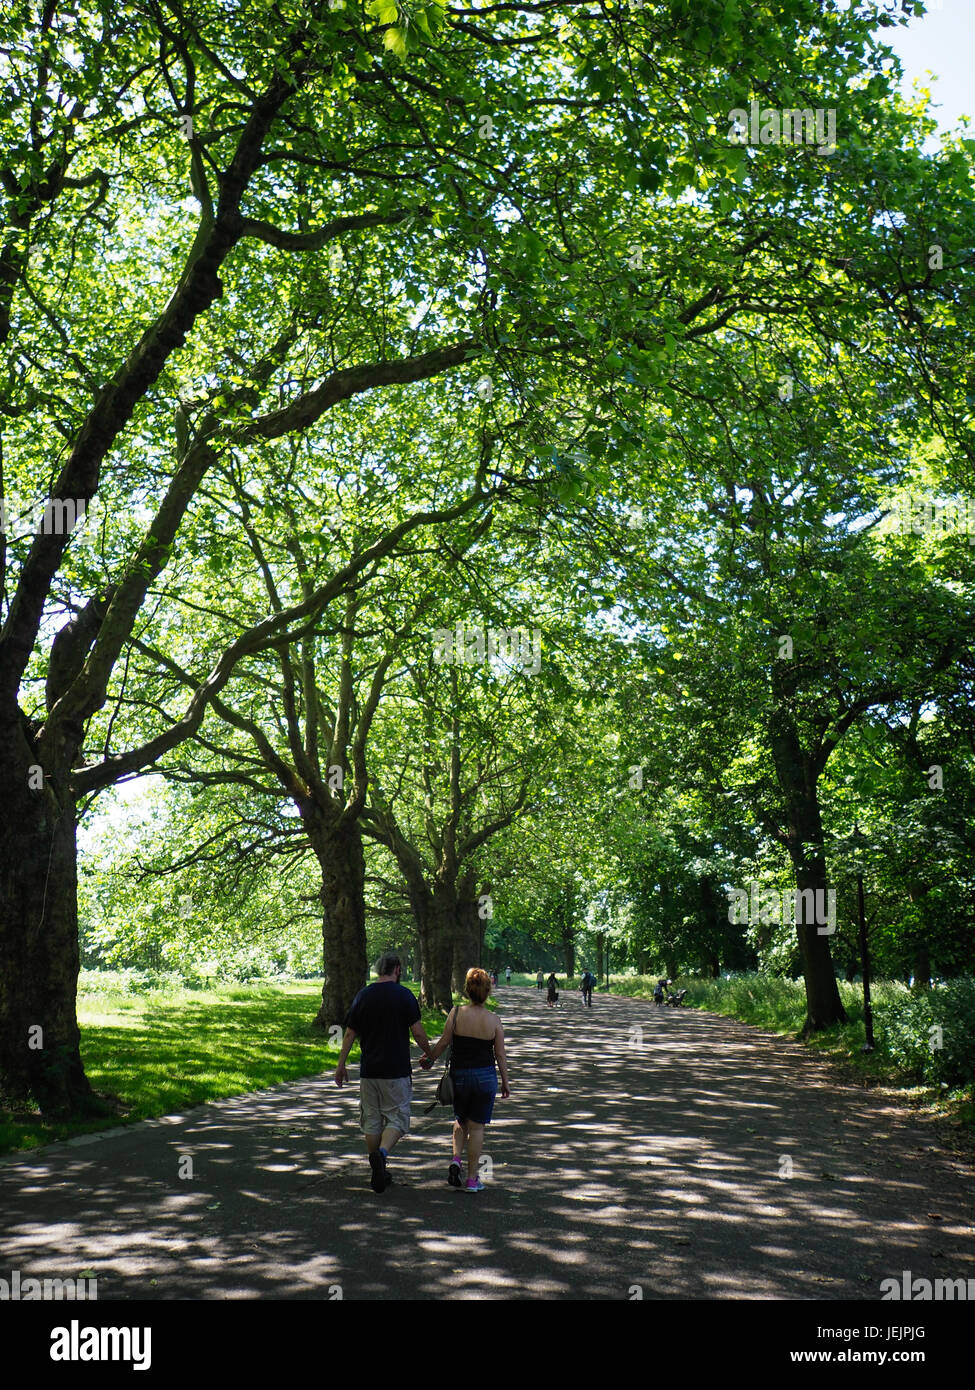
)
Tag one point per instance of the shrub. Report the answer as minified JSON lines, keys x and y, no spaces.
{"x":905,"y":1032}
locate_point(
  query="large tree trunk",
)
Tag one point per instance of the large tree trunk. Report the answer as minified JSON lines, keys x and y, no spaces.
{"x":338,"y":849}
{"x":434,"y":915}
{"x":440,"y":946}
{"x":917,"y":892}
{"x":40,"y":1055}
{"x":824,"y":1008}
{"x":823,"y":1004}
{"x":711,"y":926}
{"x":804,"y":837}
{"x":467,"y":943}
{"x":922,"y":967}
{"x":569,"y":951}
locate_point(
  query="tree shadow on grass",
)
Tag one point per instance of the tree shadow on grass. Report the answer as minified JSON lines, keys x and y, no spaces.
{"x":170,"y":1056}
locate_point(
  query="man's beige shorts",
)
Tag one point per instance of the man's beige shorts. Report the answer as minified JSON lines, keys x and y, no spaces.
{"x":385,"y":1103}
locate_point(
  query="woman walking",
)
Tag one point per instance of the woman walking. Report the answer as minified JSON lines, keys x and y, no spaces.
{"x":477,"y":1041}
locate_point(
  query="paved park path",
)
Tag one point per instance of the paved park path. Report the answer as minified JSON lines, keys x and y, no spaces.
{"x":641,"y":1148}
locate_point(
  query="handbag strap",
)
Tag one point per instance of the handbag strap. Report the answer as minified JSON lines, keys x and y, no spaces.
{"x":450,"y":1046}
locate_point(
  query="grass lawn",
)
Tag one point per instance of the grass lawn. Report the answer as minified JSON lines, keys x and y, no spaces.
{"x":162,"y":1051}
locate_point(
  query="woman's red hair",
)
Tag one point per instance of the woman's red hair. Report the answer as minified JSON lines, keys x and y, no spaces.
{"x":477,"y":985}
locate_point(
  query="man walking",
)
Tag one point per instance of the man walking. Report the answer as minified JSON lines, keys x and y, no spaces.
{"x":379,"y":1017}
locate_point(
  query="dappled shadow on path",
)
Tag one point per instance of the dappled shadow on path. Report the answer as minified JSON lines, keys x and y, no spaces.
{"x":676,"y":1153}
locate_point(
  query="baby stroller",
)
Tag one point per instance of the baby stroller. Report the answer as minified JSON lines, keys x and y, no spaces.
{"x":677,"y":998}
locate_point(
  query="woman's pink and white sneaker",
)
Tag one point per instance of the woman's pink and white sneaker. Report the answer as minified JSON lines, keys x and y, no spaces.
{"x":474,"y":1185}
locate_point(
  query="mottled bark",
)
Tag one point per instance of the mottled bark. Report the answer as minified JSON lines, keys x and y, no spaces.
{"x":798,"y":777}
{"x":338,"y":848}
{"x":467,"y":942}
{"x":40,"y":1057}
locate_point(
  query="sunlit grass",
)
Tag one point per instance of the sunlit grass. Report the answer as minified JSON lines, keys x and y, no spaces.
{"x":162,"y":1051}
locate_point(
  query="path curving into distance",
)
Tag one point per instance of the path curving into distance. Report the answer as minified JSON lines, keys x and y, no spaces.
{"x":643,"y":1148}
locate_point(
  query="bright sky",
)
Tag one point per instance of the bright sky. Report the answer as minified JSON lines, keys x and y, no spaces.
{"x":942,"y":42}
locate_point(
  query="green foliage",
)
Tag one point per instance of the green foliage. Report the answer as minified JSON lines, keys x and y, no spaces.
{"x":169,"y":890}
{"x":551,"y":205}
{"x":930,"y":1035}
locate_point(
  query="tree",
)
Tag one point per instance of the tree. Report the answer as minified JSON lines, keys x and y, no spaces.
{"x":299,"y":129}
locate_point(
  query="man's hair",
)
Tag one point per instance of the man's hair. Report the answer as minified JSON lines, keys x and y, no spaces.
{"x":477,"y":985}
{"x":388,"y":962}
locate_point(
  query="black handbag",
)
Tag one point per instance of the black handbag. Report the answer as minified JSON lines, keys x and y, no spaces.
{"x":445,"y":1086}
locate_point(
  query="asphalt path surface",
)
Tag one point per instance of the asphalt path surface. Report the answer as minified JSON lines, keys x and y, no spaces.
{"x":645,"y":1152}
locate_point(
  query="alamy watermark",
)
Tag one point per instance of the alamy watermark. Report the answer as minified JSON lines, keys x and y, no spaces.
{"x":767,"y":906}
{"x":918,"y":516}
{"x":754,"y":125}
{"x":77,"y":1343}
{"x":48,"y":516}
{"x":926,"y":1290}
{"x":511,"y":646}
{"x":26,"y":1290}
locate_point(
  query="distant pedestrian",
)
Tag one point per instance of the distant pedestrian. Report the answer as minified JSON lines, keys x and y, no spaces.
{"x":507,"y":975}
{"x":658,"y":993}
{"x":553,"y":990}
{"x":539,"y":980}
{"x":587,"y":986}
{"x":381,"y":1016}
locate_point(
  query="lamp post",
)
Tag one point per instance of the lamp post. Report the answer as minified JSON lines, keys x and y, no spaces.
{"x":864,"y":949}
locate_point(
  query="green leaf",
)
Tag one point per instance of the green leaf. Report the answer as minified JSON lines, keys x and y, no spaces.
{"x":395,"y":41}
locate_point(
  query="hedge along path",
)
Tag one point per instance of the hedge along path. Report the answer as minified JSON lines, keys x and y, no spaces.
{"x":645,"y":1152}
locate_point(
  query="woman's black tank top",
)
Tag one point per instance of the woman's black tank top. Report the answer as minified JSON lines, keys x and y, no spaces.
{"x":470,"y":1052}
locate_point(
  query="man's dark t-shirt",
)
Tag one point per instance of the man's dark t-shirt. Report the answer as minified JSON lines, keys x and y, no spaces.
{"x":381,"y":1014}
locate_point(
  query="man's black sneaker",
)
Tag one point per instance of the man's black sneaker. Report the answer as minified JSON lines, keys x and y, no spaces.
{"x":378,"y":1165}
